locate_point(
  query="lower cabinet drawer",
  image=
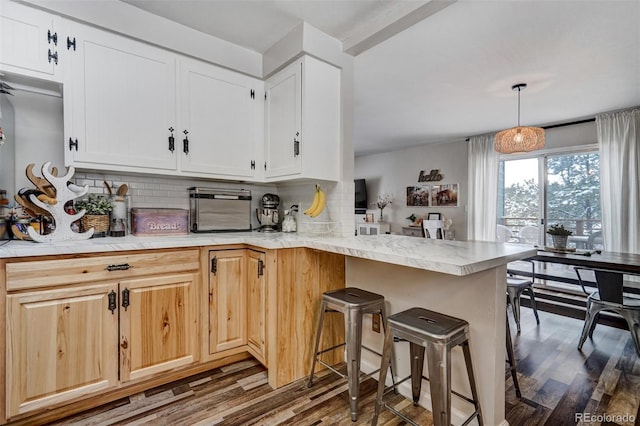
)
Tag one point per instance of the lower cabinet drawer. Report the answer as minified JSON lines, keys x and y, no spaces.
{"x":55,"y":272}
{"x":412,"y":231}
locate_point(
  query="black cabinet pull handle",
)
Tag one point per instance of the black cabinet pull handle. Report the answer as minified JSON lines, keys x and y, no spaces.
{"x":214,"y":265}
{"x":296,"y":145}
{"x":71,"y":43}
{"x":120,"y":267}
{"x":260,"y":268}
{"x":172,"y":140}
{"x":73,"y":144}
{"x":185,"y":142}
{"x":125,"y":298}
{"x":112,"y":302}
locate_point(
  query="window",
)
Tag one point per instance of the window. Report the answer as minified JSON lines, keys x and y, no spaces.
{"x":545,"y":189}
{"x":569,"y":195}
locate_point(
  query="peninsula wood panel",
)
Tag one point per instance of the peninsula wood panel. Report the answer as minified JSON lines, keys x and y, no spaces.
{"x":303,"y":276}
{"x":227,"y":300}
{"x":80,"y":269}
{"x":61,"y":345}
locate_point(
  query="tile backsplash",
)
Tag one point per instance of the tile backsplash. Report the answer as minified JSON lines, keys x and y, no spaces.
{"x":171,"y":192}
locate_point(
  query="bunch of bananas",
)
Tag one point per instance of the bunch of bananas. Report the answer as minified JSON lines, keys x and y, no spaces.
{"x":319,"y":203}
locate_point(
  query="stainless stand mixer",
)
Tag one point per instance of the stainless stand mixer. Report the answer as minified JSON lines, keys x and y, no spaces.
{"x":268,"y":215}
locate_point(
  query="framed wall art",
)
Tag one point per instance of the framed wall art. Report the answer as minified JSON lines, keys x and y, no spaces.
{"x":444,"y":195}
{"x":418,"y":196}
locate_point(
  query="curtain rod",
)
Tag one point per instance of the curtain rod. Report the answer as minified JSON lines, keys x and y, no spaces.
{"x":570,"y":123}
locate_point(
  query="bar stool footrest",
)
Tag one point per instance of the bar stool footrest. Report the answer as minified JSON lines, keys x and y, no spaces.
{"x":399,"y":414}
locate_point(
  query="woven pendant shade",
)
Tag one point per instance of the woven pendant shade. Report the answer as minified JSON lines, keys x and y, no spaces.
{"x":519,"y":138}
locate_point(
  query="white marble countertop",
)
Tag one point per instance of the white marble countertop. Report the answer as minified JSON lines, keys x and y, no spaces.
{"x":451,"y":257}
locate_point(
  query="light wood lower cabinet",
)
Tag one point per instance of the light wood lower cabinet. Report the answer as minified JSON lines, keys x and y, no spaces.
{"x":237,"y":298}
{"x":65,"y":342}
{"x":227,"y":299}
{"x":256,"y":304}
{"x":105,"y":325}
{"x":157,"y":327}
{"x":61,"y":344}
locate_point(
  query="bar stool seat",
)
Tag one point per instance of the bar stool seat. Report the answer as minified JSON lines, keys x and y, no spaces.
{"x":353,"y":303}
{"x":437,"y":334}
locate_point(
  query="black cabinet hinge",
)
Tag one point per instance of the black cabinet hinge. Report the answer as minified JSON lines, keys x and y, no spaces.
{"x":52,"y":37}
{"x":265,"y":165}
{"x":253,"y":94}
{"x":71,"y":43}
{"x":265,"y":96}
{"x":260,"y":268}
{"x":73,"y":144}
{"x":253,"y":165}
{"x":53,"y":55}
{"x":214,"y":265}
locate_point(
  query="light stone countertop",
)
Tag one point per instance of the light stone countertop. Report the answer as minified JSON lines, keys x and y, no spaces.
{"x":450,"y":257}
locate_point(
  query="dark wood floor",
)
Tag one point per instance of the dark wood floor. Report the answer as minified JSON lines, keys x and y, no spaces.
{"x":556,"y":379}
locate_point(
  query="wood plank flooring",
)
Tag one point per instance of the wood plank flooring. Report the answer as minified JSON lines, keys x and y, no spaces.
{"x":556,"y":380}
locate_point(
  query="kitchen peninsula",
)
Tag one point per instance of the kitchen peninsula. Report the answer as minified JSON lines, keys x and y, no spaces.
{"x":464,"y":279}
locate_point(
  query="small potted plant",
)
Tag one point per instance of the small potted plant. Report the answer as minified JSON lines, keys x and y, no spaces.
{"x":97,"y":208}
{"x":560,"y":235}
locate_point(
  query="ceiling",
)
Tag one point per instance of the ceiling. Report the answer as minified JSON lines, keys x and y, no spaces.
{"x":449,"y":76}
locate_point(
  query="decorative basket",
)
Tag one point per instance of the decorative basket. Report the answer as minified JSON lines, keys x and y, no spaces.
{"x":321,"y":227}
{"x":99,"y":223}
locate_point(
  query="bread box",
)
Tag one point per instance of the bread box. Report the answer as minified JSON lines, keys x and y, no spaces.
{"x":159,"y":221}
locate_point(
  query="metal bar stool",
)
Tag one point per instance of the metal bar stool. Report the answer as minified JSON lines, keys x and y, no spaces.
{"x":353,"y":303}
{"x":511,"y":359}
{"x":437,"y":333}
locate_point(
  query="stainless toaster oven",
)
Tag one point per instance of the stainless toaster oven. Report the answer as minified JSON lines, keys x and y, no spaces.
{"x":219,"y":210}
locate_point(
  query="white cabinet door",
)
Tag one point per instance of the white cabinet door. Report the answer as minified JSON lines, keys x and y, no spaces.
{"x":119,"y":103}
{"x":221,"y":110}
{"x":283,"y":117}
{"x":30,"y":41}
{"x":303,"y":130}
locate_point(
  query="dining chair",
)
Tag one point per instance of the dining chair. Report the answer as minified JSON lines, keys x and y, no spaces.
{"x":516,"y":286}
{"x":504,"y":234}
{"x":595,"y":241}
{"x":529,"y":234}
{"x":433,"y":229}
{"x":609,"y":296}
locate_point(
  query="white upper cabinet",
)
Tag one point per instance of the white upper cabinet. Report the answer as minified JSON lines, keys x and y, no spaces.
{"x":30,"y":42}
{"x":119,"y":101}
{"x":302,"y":122}
{"x":221,"y":116}
{"x":283,"y":116}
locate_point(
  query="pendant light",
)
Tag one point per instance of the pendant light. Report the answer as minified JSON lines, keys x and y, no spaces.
{"x":520,"y":138}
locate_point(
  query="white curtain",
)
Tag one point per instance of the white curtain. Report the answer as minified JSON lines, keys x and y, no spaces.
{"x":483,"y":188}
{"x":619,"y":144}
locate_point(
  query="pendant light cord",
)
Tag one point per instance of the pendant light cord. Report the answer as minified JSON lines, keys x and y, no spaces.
{"x":519,"y":106}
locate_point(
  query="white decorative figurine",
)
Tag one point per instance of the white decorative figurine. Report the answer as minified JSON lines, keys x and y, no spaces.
{"x":63,"y":193}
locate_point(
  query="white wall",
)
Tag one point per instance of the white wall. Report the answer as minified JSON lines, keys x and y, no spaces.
{"x":394,"y":171}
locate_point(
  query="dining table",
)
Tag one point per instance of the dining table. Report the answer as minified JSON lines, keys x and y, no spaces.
{"x":614,"y":261}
